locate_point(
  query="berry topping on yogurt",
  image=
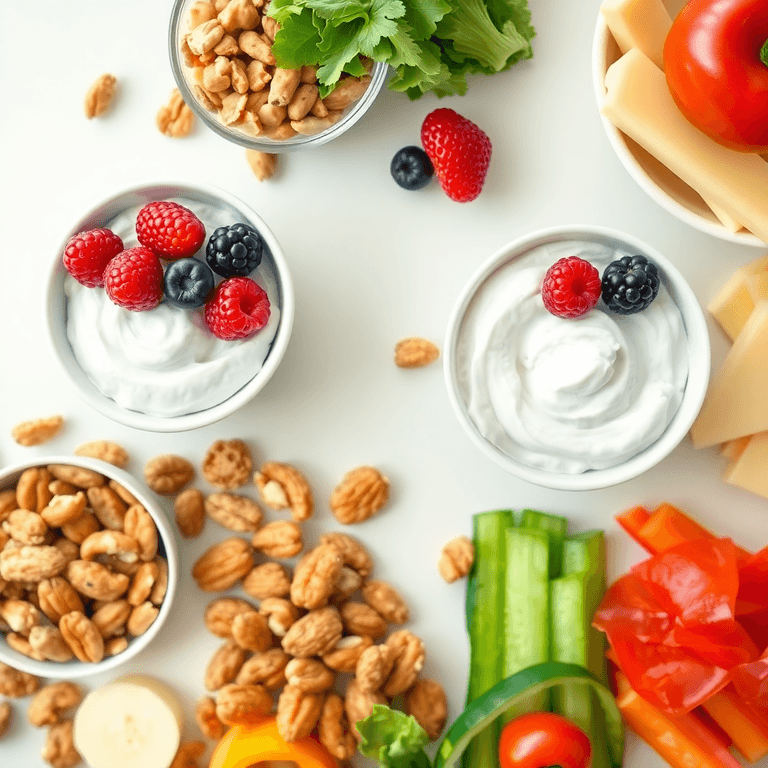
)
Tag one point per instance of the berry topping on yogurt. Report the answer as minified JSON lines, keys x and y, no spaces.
{"x":571,"y":287}
{"x":169,"y":229}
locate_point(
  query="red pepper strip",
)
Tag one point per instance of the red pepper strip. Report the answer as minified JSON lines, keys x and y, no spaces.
{"x":682,"y":741}
{"x":632,"y":521}
{"x":753,"y":585}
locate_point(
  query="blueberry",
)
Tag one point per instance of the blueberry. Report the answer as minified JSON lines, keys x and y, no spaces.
{"x":411,"y":168}
{"x":188,"y":283}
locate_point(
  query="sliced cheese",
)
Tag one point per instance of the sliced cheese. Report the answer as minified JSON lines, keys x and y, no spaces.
{"x":737,"y":399}
{"x":735,"y":301}
{"x":750,"y":469}
{"x":734,"y":448}
{"x":641,"y":24}
{"x":638,"y":102}
{"x":724,"y":217}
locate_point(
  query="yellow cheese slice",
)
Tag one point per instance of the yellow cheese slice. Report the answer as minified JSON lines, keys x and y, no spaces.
{"x":724,"y":218}
{"x":737,"y":399}
{"x":735,"y":301}
{"x":734,"y":448}
{"x":638,"y":103}
{"x":750,"y":469}
{"x":642,"y":24}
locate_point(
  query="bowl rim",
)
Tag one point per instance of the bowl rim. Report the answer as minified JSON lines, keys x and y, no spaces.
{"x":295,"y":143}
{"x":71,"y":670}
{"x":633,"y":167}
{"x":108,"y":407}
{"x":697,"y":334}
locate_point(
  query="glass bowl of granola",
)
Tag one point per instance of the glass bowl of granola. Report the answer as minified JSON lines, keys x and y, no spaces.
{"x":88,"y":569}
{"x":221,"y":56}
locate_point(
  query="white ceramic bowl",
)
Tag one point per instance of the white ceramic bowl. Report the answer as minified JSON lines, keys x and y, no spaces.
{"x":166,"y":547}
{"x":663,"y":186}
{"x":273,"y":261}
{"x":698,"y":353}
{"x":186,"y":82}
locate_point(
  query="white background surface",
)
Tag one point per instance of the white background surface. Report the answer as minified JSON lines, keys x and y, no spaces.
{"x":371,"y":262}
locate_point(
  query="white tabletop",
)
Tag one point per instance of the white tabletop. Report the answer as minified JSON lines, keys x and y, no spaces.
{"x":371,"y":262}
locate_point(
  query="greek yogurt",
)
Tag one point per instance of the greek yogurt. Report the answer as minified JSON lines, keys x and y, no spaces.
{"x":164,"y":361}
{"x":567,"y":395}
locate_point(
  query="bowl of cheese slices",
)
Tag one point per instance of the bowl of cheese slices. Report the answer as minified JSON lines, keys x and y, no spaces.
{"x":716,"y":190}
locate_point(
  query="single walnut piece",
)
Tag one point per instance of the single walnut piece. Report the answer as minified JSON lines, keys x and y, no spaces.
{"x":81,"y":635}
{"x":21,"y":644}
{"x":7,"y":503}
{"x":112,"y":453}
{"x":282,"y":486}
{"x":237,"y":513}
{"x":32,"y":490}
{"x":355,"y":555}
{"x":268,"y":580}
{"x":279,"y":613}
{"x":57,"y":597}
{"x":64,"y":509}
{"x":358,"y":704}
{"x":207,"y":720}
{"x":263,"y":164}
{"x":143,"y":583}
{"x":386,"y":601}
{"x":408,"y":662}
{"x":108,"y":507}
{"x":189,"y":511}
{"x":111,"y":618}
{"x":96,"y":581}
{"x":141,"y":619}
{"x":50,"y":644}
{"x":117,"y":543}
{"x":415,"y":353}
{"x":160,"y":587}
{"x":374,"y":667}
{"x":140,"y":526}
{"x":359,"y":496}
{"x":15,"y":684}
{"x":223,"y":565}
{"x":37,"y":431}
{"x":315,"y":634}
{"x":427,"y":702}
{"x":220,"y":614}
{"x":251,"y":631}
{"x":280,"y":539}
{"x":175,"y":119}
{"x":6,"y":714}
{"x":315,"y":577}
{"x":31,"y":563}
{"x":333,"y":729}
{"x":224,"y":665}
{"x":115,"y":645}
{"x":25,"y":527}
{"x":59,"y":749}
{"x":267,"y":669}
{"x":168,"y":474}
{"x":78,"y":476}
{"x":52,"y":701}
{"x":100,"y":96}
{"x":227,"y":464}
{"x":456,"y":559}
{"x":361,"y":619}
{"x":309,"y":675}
{"x":348,"y":582}
{"x":79,"y":529}
{"x":242,"y":704}
{"x":20,"y":615}
{"x":346,"y":653}
{"x":297,"y":713}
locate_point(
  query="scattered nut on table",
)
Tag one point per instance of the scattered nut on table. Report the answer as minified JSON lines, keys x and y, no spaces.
{"x":100,"y":96}
{"x":37,"y":431}
{"x":456,"y":559}
{"x":415,"y":352}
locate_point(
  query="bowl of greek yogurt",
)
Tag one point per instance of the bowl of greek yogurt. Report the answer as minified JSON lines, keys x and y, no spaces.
{"x":161,"y":370}
{"x":574,"y":404}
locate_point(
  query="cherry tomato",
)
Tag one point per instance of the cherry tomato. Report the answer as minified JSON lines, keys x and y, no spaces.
{"x":543,"y":740}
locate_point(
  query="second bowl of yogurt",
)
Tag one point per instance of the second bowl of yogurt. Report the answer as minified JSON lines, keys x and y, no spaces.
{"x":162,"y":370}
{"x":574,"y":404}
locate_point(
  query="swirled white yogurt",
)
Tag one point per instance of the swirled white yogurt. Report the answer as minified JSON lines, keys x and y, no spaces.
{"x":568,"y":395}
{"x":164,"y":361}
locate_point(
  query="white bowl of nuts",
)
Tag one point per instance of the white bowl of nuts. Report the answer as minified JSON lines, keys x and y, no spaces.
{"x":88,"y":567}
{"x":223,"y":64}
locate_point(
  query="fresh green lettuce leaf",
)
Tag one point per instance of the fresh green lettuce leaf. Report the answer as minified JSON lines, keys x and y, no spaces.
{"x":297,"y":41}
{"x":422,"y":17}
{"x":280,"y":10}
{"x":393,"y":739}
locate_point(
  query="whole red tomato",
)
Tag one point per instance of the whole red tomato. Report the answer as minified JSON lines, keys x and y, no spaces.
{"x":716,"y":60}
{"x":543,"y":740}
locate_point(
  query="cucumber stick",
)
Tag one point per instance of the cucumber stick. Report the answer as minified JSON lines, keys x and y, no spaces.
{"x":485,"y":624}
{"x":557,"y":528}
{"x":574,"y":599}
{"x":526,"y":610}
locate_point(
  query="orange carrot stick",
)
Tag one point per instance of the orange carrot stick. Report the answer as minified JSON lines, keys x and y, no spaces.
{"x":747,"y":728}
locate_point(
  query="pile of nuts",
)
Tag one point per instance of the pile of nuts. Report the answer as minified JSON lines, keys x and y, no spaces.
{"x":308,"y":648}
{"x":228,"y":46}
{"x":80,"y":572}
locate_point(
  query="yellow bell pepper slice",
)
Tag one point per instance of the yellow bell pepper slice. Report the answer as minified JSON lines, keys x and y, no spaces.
{"x":244,"y":745}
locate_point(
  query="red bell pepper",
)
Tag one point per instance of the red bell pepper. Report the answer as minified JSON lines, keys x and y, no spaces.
{"x":716,"y":60}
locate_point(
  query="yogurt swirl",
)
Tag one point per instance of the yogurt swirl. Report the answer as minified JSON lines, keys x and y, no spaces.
{"x":163,"y":362}
{"x":568,"y":395}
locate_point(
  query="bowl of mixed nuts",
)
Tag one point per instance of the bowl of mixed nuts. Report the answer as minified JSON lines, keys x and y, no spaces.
{"x":88,"y":566}
{"x":222,"y":60}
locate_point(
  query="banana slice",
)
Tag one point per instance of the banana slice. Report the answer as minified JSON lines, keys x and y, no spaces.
{"x":134,"y":721}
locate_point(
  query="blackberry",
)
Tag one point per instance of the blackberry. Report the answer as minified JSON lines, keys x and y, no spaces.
{"x":630,"y":284}
{"x":188,"y":283}
{"x":235,"y":250}
{"x":411,"y":168}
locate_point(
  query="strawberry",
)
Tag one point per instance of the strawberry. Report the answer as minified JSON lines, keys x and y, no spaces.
{"x":169,"y":229}
{"x":134,"y":279}
{"x":459,"y":151}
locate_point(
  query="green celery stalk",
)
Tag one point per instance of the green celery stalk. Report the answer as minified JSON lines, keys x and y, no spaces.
{"x":526,"y":614}
{"x":574,"y":599}
{"x":557,"y":528}
{"x":485,"y":624}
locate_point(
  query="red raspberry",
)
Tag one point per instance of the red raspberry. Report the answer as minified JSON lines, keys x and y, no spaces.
{"x":239,"y":307}
{"x":87,"y":254}
{"x":571,"y":287}
{"x":134,"y":279}
{"x":169,"y":229}
{"x":459,"y":151}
